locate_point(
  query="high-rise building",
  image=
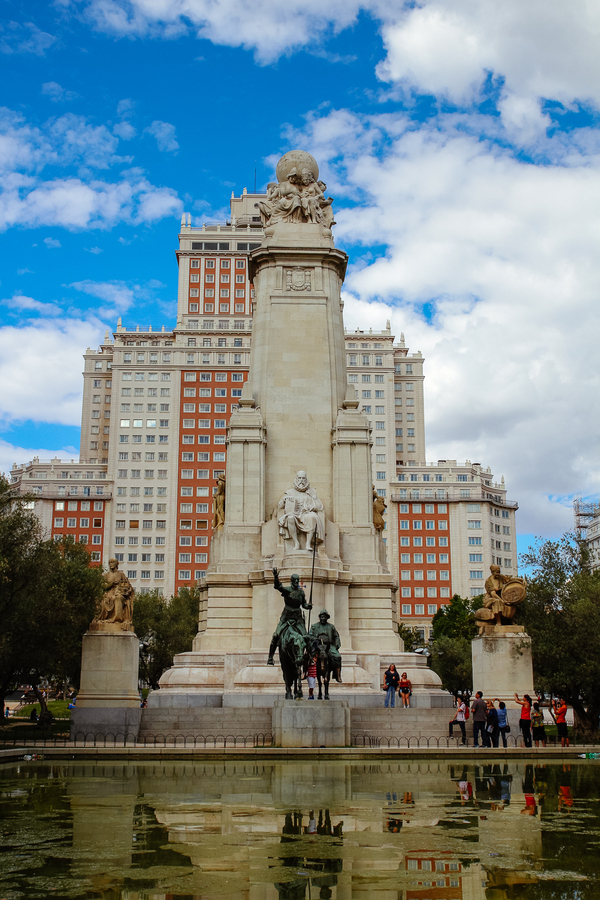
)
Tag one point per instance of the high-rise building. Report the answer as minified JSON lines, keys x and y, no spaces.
{"x":155,"y":412}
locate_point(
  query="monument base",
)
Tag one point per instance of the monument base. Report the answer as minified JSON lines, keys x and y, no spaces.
{"x":502,"y":664}
{"x":108,"y":701}
{"x":118,"y":723}
{"x":324,"y":723}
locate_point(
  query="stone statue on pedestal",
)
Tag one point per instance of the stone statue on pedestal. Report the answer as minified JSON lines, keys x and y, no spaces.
{"x":503,"y":593}
{"x":116,"y":606}
{"x":302,"y":514}
{"x":325,"y":633}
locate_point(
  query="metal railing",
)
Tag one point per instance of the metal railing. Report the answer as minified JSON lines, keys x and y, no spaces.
{"x":408,"y":742}
{"x":127,"y":739}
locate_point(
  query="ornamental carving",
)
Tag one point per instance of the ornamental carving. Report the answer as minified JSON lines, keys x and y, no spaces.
{"x":298,"y":279}
{"x":298,"y":195}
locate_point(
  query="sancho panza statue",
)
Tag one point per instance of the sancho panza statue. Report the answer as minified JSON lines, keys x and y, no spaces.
{"x":302,"y":513}
{"x":503,"y":593}
{"x":116,"y":606}
{"x":327,"y":633}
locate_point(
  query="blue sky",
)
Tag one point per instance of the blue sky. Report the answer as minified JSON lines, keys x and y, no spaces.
{"x":461,"y":143}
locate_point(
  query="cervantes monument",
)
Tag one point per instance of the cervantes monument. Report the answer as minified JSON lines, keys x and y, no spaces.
{"x":298,"y":469}
{"x":108,"y":701}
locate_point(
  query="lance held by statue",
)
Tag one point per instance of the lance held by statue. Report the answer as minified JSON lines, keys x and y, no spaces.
{"x":290,"y":636}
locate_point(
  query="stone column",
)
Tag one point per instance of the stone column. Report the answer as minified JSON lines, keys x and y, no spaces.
{"x":502,"y":664}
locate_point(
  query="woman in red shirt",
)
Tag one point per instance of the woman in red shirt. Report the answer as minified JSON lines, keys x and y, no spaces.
{"x":560,"y":710}
{"x":405,"y":688}
{"x":525,"y":720}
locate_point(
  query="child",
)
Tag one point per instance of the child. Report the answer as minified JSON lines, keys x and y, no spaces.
{"x":311,"y":674}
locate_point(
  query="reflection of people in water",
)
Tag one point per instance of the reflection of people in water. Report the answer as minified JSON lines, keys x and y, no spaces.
{"x":505,"y":783}
{"x":565,"y":798}
{"x":528,"y":790}
{"x":394,"y":825}
{"x":322,"y":873}
{"x":541,"y":784}
{"x":463,"y":785}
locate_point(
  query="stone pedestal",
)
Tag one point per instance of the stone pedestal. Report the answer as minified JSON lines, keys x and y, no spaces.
{"x":108,"y":701}
{"x":311,"y":723}
{"x":502,"y":664}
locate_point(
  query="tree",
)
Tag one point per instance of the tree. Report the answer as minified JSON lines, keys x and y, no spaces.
{"x":561,"y":614}
{"x":47,"y":598}
{"x":412,"y":637}
{"x":453,"y":629}
{"x":456,"y":619}
{"x":164,"y":629}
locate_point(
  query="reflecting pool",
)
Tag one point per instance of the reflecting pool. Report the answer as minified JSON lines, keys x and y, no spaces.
{"x":419,"y":830}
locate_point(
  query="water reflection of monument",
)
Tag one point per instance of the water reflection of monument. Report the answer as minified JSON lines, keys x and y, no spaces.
{"x":413,"y":830}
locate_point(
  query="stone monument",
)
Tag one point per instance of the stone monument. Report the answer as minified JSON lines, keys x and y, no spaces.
{"x":108,"y":701}
{"x":501,"y":652}
{"x":298,"y":472}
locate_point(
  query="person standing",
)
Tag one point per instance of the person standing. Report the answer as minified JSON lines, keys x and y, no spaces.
{"x":405,"y":690}
{"x":560,"y":710}
{"x":459,"y":719}
{"x":479,"y":711}
{"x":537,"y":722}
{"x":390,"y":685}
{"x":502,"y":721}
{"x":492,"y":727}
{"x":311,"y":675}
{"x":525,"y":720}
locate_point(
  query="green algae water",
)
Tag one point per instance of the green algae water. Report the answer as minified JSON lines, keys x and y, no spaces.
{"x":418,"y":830}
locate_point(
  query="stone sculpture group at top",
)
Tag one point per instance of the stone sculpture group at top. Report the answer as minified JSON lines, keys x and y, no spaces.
{"x":298,"y":195}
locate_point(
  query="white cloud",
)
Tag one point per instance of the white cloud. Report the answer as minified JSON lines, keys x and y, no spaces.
{"x":80,"y":201}
{"x":21,"y":302}
{"x":164,"y":134}
{"x":504,"y":253}
{"x":268,"y":27}
{"x":94,"y":250}
{"x":124,"y":130}
{"x":51,"y":243}
{"x":40,"y":370}
{"x":12,"y":453}
{"x":118,"y":295}
{"x":26,"y":38}
{"x":57,"y":93}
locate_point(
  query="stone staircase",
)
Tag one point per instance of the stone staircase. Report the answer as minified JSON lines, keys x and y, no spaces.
{"x":204,"y":722}
{"x":402,"y":725}
{"x":368,"y":725}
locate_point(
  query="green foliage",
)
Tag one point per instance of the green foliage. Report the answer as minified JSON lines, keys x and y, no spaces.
{"x":58,"y":708}
{"x":48,"y":595}
{"x":456,"y":619}
{"x":451,"y":660}
{"x":166,"y":627}
{"x":562,"y":616}
{"x":411,"y":637}
{"x":453,"y":629}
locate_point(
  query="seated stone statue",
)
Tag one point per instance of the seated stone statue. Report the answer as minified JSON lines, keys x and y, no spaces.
{"x":116,"y":606}
{"x":503,"y":593}
{"x":302,"y":514}
{"x":325,"y":632}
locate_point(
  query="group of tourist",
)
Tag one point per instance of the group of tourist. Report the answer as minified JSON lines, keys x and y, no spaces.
{"x":490,"y":724}
{"x":394,"y":683}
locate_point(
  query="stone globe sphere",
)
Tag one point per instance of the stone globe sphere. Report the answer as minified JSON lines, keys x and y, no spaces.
{"x":296,"y":159}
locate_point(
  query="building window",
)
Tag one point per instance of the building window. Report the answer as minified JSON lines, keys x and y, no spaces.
{"x":431,"y":607}
{"x":419,"y":609}
{"x":474,"y":523}
{"x":406,"y":609}
{"x":475,"y":573}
